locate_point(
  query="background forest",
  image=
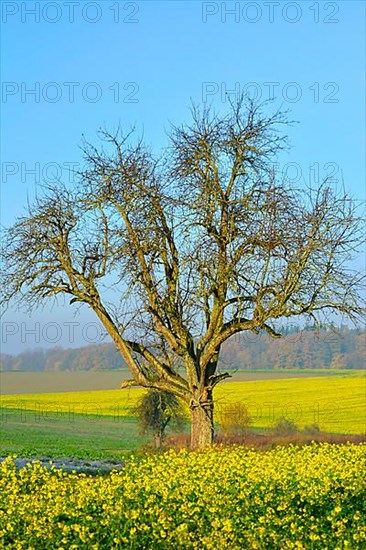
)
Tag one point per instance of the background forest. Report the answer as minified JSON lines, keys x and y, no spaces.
{"x":306,"y":348}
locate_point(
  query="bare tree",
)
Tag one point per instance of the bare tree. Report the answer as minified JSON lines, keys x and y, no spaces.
{"x":201,"y":244}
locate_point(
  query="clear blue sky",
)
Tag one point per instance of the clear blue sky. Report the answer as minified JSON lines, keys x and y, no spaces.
{"x":92,"y":64}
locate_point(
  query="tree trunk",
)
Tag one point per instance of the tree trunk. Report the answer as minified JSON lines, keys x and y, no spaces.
{"x":158,"y":440}
{"x":202,"y":426}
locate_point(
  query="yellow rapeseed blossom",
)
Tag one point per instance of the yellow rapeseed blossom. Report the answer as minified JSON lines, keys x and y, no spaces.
{"x":232,"y":498}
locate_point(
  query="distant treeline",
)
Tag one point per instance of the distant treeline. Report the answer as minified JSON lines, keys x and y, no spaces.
{"x":95,"y":357}
{"x":339,"y":348}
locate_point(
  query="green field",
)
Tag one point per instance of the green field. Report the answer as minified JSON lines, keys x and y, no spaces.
{"x":99,"y":423}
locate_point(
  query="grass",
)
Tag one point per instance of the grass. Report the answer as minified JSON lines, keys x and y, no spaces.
{"x":93,"y":424}
{"x":64,"y":436}
{"x":99,"y":423}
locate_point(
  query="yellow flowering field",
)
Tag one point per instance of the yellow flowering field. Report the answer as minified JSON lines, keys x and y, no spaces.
{"x":312,"y":497}
{"x":336,"y":404}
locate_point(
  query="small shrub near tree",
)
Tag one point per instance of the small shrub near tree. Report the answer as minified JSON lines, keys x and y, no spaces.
{"x":312,"y":429}
{"x":234,"y":418}
{"x":156,"y":410}
{"x":285,"y":427}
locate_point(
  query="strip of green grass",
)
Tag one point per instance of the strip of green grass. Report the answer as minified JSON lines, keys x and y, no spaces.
{"x":28,"y":433}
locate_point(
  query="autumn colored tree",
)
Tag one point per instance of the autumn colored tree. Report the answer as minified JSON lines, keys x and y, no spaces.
{"x":200,"y":244}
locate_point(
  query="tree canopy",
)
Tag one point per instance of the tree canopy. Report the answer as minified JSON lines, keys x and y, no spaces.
{"x":200,"y":244}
